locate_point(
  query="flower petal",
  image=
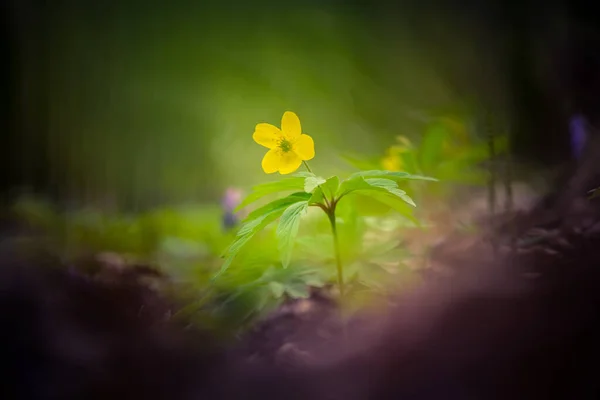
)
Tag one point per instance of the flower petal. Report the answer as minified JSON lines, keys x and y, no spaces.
{"x":290,"y":125}
{"x":289,"y":162}
{"x":271,"y":161}
{"x":267,"y":135}
{"x":304,"y":146}
{"x":391,"y":163}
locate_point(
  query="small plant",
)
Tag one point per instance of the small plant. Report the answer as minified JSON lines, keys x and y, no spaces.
{"x":289,"y":148}
{"x":445,"y":150}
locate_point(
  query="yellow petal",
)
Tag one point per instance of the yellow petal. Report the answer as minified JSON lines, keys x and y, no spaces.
{"x":267,"y":135}
{"x":304,"y":146}
{"x":391,"y":163}
{"x":289,"y":162}
{"x":271,"y":161}
{"x":290,"y":125}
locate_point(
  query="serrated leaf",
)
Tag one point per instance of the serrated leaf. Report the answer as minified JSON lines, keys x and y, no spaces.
{"x":312,"y":182}
{"x":393,"y":175}
{"x":294,"y":183}
{"x":249,"y":229}
{"x":395,"y":203}
{"x":246,"y":232}
{"x":276,"y":204}
{"x":328,"y":189}
{"x":277,"y":289}
{"x":391,"y":187}
{"x":374,"y":173}
{"x":374,"y":184}
{"x":288,"y":229}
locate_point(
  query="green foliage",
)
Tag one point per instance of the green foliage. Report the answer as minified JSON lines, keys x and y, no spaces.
{"x":293,"y":183}
{"x":288,"y":229}
{"x":279,"y":203}
{"x":446,"y":150}
{"x":187,"y":244}
{"x":374,"y":184}
{"x":394,"y":175}
{"x":312,"y":182}
{"x":326,"y":190}
{"x":379,"y":185}
{"x":258,"y":220}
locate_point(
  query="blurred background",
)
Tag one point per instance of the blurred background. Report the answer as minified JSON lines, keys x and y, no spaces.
{"x":133,"y":104}
{"x":126,"y":122}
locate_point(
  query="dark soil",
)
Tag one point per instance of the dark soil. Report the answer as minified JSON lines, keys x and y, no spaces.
{"x":542,"y":245}
{"x":515,"y":318}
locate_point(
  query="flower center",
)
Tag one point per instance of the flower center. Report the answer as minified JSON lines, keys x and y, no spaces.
{"x":285,"y":145}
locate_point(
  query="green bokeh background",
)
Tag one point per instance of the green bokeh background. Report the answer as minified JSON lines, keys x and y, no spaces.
{"x":148,"y":102}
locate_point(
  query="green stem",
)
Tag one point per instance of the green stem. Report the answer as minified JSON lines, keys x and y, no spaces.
{"x":329,"y":209}
{"x":336,"y":245}
{"x":307,"y":167}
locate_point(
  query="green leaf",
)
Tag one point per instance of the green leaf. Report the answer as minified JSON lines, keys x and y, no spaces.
{"x":288,"y":229}
{"x":312,"y":182}
{"x":246,"y":232}
{"x":295,"y":183}
{"x":374,"y":184}
{"x":331,"y":186}
{"x":270,"y":212}
{"x":277,"y":204}
{"x":391,"y":187}
{"x":327,"y":189}
{"x":385,"y":191}
{"x":393,"y":175}
{"x":394,"y":202}
{"x":277,"y":289}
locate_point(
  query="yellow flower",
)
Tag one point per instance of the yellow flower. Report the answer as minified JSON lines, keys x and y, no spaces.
{"x":393,"y":158}
{"x":288,"y":146}
{"x":391,"y":162}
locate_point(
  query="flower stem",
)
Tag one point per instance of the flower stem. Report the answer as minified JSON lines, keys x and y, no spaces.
{"x":336,"y":245}
{"x":307,"y":167}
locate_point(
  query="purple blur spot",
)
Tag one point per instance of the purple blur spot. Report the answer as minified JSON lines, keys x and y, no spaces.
{"x":230,"y":201}
{"x":578,"y":135}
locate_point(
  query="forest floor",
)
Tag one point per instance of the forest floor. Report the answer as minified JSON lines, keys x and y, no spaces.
{"x":534,"y":242}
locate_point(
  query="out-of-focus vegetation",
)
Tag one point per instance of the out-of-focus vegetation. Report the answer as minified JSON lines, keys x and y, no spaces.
{"x":187,"y":242}
{"x":145,"y":118}
{"x":450,"y":148}
{"x":137,"y":108}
